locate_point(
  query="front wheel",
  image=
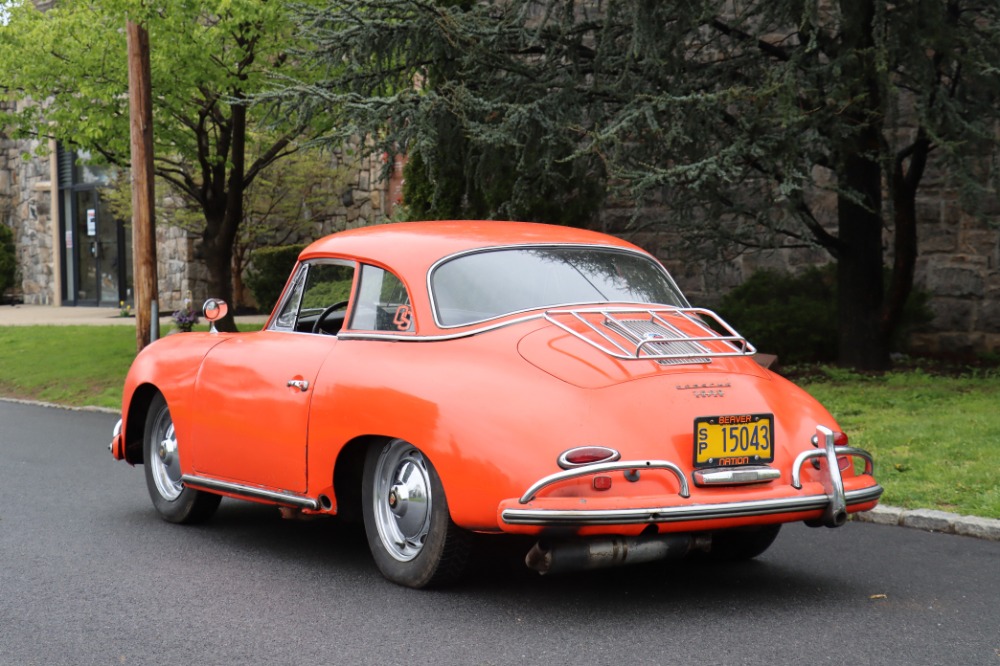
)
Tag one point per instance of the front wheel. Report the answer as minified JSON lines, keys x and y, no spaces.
{"x":173,"y":501}
{"x":410,"y":532}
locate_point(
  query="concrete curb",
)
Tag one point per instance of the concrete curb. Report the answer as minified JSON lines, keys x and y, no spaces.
{"x":930,"y":520}
{"x":69,"y":408}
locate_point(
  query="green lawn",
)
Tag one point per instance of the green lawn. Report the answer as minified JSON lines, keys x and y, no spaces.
{"x":67,"y":365}
{"x":935,"y":438}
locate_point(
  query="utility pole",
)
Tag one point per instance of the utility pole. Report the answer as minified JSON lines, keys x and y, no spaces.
{"x":147,"y":325}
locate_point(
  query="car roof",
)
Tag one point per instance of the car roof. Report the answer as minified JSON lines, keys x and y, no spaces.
{"x":422,"y":243}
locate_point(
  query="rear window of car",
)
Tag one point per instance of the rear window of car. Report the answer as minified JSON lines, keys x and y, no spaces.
{"x":483,"y":285}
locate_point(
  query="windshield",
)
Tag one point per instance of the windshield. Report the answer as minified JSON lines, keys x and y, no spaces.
{"x":483,"y":285}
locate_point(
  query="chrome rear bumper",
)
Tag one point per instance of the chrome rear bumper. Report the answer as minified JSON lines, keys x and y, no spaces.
{"x":835,"y":502}
{"x":674,"y":514}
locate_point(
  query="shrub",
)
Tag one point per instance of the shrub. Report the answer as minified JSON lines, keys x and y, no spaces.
{"x":795,"y":316}
{"x":8,"y":259}
{"x":271,"y":267}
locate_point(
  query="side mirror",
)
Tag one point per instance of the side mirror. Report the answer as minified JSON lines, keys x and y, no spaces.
{"x":214,"y":310}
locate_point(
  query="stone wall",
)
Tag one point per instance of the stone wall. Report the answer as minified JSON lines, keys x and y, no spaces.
{"x":26,"y":207}
{"x":958,"y":267}
{"x":179,"y":275}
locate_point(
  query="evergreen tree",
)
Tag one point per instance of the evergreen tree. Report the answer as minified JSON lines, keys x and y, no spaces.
{"x":735,"y":115}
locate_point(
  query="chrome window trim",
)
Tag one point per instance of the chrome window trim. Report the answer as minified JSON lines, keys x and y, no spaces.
{"x":299,"y":274}
{"x":396,"y":337}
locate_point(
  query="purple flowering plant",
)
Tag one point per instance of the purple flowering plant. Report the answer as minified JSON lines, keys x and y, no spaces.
{"x":186,"y":317}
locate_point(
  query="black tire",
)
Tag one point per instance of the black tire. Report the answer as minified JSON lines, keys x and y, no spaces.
{"x":742,"y":543}
{"x":407,"y":522}
{"x":174,"y":502}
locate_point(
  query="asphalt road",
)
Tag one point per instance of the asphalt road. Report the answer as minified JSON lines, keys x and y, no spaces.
{"x":90,"y":575}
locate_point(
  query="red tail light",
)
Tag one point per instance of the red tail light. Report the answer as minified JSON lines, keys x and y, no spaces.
{"x":839,"y":439}
{"x":587,"y":455}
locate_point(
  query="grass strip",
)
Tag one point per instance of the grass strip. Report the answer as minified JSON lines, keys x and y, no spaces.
{"x":934,"y":439}
{"x":66,"y":365}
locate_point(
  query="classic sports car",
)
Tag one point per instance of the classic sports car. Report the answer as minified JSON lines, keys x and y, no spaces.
{"x":439,"y":379}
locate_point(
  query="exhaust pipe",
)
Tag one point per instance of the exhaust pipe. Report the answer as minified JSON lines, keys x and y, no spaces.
{"x":600,"y":553}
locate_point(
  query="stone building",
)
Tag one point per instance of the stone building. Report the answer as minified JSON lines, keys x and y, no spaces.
{"x":73,"y":251}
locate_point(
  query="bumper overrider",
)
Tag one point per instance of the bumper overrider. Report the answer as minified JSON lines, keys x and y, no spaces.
{"x":117,"y":445}
{"x":835,"y":501}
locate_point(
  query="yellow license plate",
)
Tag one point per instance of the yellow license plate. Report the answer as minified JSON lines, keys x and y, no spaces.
{"x":739,"y":439}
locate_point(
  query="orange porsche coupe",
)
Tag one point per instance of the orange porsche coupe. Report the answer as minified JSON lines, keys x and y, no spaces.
{"x":438,"y":379}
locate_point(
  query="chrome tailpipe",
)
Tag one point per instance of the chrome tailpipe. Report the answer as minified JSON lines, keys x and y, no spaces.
{"x":603,"y":552}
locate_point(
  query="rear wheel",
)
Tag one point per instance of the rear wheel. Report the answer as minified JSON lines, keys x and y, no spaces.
{"x":410,"y":532}
{"x":742,"y":543}
{"x":173,"y":501}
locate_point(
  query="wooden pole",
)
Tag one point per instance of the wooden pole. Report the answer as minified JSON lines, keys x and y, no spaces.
{"x":143,"y":220}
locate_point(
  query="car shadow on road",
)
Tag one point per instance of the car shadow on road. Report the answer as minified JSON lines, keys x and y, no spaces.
{"x":498,"y":569}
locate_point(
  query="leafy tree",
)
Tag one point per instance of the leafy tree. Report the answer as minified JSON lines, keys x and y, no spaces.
{"x":286,"y":203}
{"x":733,"y":116}
{"x":68,"y":68}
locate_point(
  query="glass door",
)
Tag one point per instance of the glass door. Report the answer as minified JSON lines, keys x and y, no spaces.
{"x":101,"y":253}
{"x":109,"y":264}
{"x":88,"y":247}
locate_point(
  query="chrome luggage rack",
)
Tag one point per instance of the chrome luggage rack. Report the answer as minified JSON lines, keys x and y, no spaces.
{"x":646,"y":333}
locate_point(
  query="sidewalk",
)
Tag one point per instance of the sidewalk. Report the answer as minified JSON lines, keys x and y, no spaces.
{"x":46,"y":315}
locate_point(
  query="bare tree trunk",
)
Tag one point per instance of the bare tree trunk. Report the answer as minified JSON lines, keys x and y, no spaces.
{"x":220,"y":233}
{"x":861,"y":340}
{"x":904,"y":193}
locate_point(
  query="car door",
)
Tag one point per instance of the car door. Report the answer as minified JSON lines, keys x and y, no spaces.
{"x":254,"y":391}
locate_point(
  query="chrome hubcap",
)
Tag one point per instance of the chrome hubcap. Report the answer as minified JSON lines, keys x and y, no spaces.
{"x":165,"y":465}
{"x":402,"y":500}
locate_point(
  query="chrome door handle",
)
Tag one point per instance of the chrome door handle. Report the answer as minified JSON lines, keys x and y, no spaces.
{"x":300,"y":384}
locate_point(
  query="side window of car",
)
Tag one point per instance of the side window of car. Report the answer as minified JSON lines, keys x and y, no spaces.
{"x":383,"y":303}
{"x":325,"y":297}
{"x":318,"y":299}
